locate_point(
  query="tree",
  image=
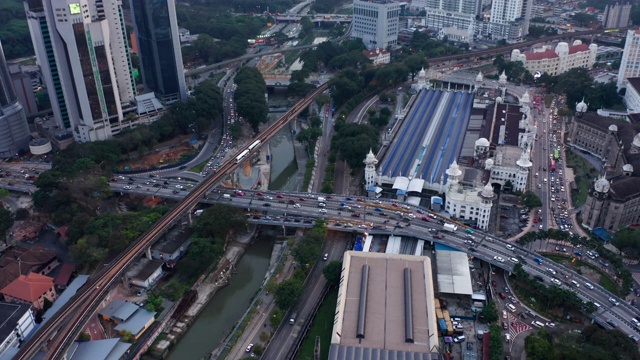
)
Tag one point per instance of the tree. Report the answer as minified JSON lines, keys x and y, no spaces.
{"x":490,"y":312}
{"x":288,"y":293}
{"x":6,"y":222}
{"x":275,"y":317}
{"x":628,"y":241}
{"x":219,"y":220}
{"x":153,"y":303}
{"x":127,"y":336}
{"x":22,"y":214}
{"x":309,"y":249}
{"x":4,"y":193}
{"x":84,"y":336}
{"x":531,"y":200}
{"x":250,"y":97}
{"x":353,"y":142}
{"x":415,"y":63}
{"x":332,"y":272}
{"x":539,"y":346}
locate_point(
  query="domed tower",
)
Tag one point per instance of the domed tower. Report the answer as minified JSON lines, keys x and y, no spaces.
{"x":487,"y":195}
{"x":370,"y":169}
{"x":595,"y":202}
{"x":581,"y":108}
{"x":422,"y":80}
{"x":481,"y":147}
{"x":635,"y":144}
{"x":479,"y":80}
{"x":525,"y":99}
{"x":502,"y":83}
{"x":524,"y":163}
{"x":453,"y":174}
{"x":627,"y":169}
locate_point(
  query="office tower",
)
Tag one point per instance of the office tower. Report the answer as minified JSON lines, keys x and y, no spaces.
{"x":630,"y":63}
{"x":376,"y":23}
{"x":156,"y":29}
{"x":616,"y":16}
{"x":81,"y":47}
{"x":14,"y":131}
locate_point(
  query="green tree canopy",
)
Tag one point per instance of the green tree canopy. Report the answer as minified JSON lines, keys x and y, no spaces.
{"x":332,"y":272}
{"x":288,"y":293}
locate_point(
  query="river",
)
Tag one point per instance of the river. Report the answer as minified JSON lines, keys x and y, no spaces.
{"x":227,"y":306}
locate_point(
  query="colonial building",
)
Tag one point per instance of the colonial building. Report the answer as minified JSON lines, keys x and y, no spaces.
{"x":378,"y":56}
{"x":613,"y":204}
{"x":559,"y":60}
{"x":468,"y":203}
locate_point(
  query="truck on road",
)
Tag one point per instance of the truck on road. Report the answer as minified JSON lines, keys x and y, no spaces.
{"x":450,"y":227}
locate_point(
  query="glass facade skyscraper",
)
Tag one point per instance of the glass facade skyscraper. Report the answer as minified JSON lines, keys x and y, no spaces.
{"x":156,"y":28}
{"x":14,"y":131}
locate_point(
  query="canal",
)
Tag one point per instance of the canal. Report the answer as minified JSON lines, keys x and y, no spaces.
{"x":227,"y":306}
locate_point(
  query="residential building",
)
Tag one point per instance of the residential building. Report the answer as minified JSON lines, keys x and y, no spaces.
{"x":630,"y":63}
{"x":378,"y":56}
{"x":145,"y":273}
{"x":14,"y":131}
{"x":375,"y":22}
{"x":17,"y":260}
{"x":509,"y":19}
{"x":560,"y":60}
{"x":16,"y":326}
{"x":84,"y":57}
{"x":446,"y":15}
{"x":30,"y":289}
{"x":616,"y":15}
{"x":156,"y":28}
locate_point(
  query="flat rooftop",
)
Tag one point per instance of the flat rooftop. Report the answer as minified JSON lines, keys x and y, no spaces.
{"x":431,"y":136}
{"x":384,"y":309}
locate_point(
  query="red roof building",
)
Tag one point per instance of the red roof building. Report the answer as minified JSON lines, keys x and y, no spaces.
{"x":31,"y":289}
{"x":559,"y":60}
{"x":64,"y":275}
{"x":378,"y":56}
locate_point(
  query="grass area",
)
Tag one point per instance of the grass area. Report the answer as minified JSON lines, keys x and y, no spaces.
{"x":218,"y":76}
{"x":583,"y":172}
{"x":547,"y":100}
{"x":322,"y":326}
{"x":609,"y":284}
{"x":198,"y":168}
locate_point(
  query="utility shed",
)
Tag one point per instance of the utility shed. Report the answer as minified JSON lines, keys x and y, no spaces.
{"x":453,"y":275}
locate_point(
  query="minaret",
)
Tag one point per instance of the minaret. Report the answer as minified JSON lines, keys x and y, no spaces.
{"x":370,"y":169}
{"x":422,"y":80}
{"x":502,"y":83}
{"x":581,"y":108}
{"x":479,"y":80}
{"x":595,"y":202}
{"x":453,"y":174}
{"x":524,"y":163}
{"x":487,"y":195}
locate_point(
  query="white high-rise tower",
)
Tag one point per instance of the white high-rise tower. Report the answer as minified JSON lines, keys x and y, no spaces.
{"x":81,"y":47}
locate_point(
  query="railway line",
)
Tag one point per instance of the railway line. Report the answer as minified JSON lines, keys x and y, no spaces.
{"x":63,"y":328}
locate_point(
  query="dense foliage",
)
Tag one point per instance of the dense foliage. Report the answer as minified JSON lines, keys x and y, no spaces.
{"x":353,"y":141}
{"x":593,"y":343}
{"x":250,"y":97}
{"x":531,"y":199}
{"x":332,"y":272}
{"x":14,"y":31}
{"x":628,"y":241}
{"x":309,"y":249}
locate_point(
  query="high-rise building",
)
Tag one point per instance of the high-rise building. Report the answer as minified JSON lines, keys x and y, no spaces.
{"x":616,"y":15}
{"x":375,"y":22}
{"x":630,"y":63}
{"x":447,"y":16}
{"x":156,"y":28}
{"x":510,"y":19}
{"x":14,"y":131}
{"x":81,"y":47}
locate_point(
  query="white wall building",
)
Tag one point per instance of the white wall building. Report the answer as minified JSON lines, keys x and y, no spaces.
{"x":560,"y":60}
{"x":81,"y":46}
{"x":376,"y":23}
{"x":507,"y":166}
{"x":509,"y":19}
{"x":632,"y":96}
{"x":630,"y":63}
{"x":473,"y":203}
{"x":17,"y":324}
{"x":443,"y":15}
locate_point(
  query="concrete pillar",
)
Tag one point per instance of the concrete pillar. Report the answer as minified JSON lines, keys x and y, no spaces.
{"x":148,"y":252}
{"x":190,"y":218}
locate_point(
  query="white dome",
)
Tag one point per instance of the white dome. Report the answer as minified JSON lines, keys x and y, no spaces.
{"x":503,"y":77}
{"x":422,"y":73}
{"x":627,"y":168}
{"x":371,"y":158}
{"x":454,"y":169}
{"x":581,"y":107}
{"x":488,"y":164}
{"x":482,"y":142}
{"x":487,"y":191}
{"x":525,"y":98}
{"x":479,"y":78}
{"x":499,"y":100}
{"x":613,"y":128}
{"x":636,"y":140}
{"x":602,"y":185}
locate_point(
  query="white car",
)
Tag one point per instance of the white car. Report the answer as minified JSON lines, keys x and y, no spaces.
{"x":127,"y":187}
{"x":322,"y":211}
{"x":510,"y":247}
{"x":551,"y":271}
{"x":588,"y":286}
{"x":296,"y":206}
{"x":179,"y":186}
{"x":498,"y":259}
{"x":550,"y":325}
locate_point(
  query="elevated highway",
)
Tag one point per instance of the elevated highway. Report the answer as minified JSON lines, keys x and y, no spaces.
{"x":59,"y":332}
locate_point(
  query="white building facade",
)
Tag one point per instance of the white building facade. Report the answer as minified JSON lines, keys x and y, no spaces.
{"x":560,"y":60}
{"x":82,"y":48}
{"x":18,"y":323}
{"x":509,"y":19}
{"x":630,"y":63}
{"x":376,"y":23}
{"x":473,"y":203}
{"x":632,"y":96}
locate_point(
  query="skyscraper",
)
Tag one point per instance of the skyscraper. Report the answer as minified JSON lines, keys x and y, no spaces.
{"x":156,"y":29}
{"x":376,"y":23}
{"x":616,"y":15}
{"x":81,"y":47}
{"x":14,"y":131}
{"x":510,"y":19}
{"x":630,"y":63}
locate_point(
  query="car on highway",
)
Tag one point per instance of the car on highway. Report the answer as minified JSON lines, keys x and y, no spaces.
{"x":498,"y":259}
{"x":551,"y":271}
{"x":614,"y":301}
{"x":493,"y":283}
{"x":322,"y":211}
{"x":510,"y":247}
{"x":502,"y":295}
{"x":297,"y":206}
{"x":588,"y":286}
{"x":127,"y":187}
{"x":325,"y":257}
{"x":249,"y":348}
